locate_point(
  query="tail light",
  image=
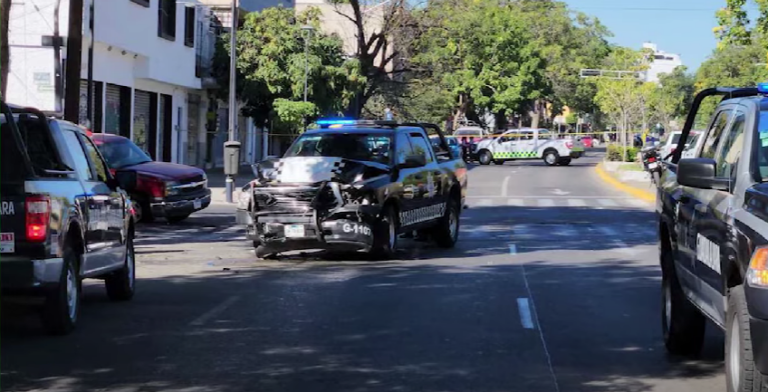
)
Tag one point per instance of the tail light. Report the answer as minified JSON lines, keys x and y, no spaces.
{"x":652,"y":159}
{"x":569,"y":144}
{"x":153,"y":186}
{"x":38,"y":214}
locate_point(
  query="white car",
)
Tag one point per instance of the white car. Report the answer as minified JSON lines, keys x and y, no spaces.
{"x":528,"y":143}
{"x":671,"y":143}
{"x":692,"y":147}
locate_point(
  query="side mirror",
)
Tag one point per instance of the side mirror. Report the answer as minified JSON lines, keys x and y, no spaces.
{"x":699,"y":173}
{"x":414,"y":161}
{"x":126,"y":179}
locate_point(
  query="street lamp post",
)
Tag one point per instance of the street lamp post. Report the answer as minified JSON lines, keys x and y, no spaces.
{"x":230,"y":181}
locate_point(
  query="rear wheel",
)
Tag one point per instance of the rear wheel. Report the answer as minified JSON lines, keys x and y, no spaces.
{"x":62,"y":306}
{"x":485,"y":157}
{"x":446,"y":234}
{"x":551,"y":157}
{"x":121,"y":285}
{"x":682,"y":324}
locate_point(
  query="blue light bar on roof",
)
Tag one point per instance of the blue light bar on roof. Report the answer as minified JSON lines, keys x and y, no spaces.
{"x":335,"y":121}
{"x":762,"y":88}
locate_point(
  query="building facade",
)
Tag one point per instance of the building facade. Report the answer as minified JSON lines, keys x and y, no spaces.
{"x":151,"y":64}
{"x":663,"y":62}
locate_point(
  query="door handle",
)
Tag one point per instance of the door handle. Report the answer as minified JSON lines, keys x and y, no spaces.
{"x":702,"y":208}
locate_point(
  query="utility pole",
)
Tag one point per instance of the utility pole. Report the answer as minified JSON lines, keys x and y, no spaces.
{"x":232,"y":96}
{"x":91,"y":31}
{"x":74,"y":61}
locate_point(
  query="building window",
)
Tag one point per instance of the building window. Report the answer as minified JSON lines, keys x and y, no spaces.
{"x":189,"y":26}
{"x":143,"y":3}
{"x":166,"y":22}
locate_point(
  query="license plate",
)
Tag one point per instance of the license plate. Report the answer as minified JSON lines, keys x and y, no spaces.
{"x":197,"y":204}
{"x":653,"y":165}
{"x":294,"y":231}
{"x":7,"y":243}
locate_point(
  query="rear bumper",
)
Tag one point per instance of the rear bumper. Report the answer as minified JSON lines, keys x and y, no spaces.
{"x":29,"y":276}
{"x":181,"y":207}
{"x":577,"y":154}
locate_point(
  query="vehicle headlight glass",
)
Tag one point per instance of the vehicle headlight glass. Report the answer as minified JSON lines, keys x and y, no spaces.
{"x":171,"y":188}
{"x":244,"y":199}
{"x":757,"y":274}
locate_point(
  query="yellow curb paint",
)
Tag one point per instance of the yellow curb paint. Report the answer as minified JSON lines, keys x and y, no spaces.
{"x":636,"y":192}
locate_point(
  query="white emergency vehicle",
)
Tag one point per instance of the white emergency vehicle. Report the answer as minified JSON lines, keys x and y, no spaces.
{"x":528,"y":143}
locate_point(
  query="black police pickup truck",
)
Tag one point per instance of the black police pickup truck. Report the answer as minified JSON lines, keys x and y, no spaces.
{"x":63,"y":217}
{"x":355,"y":186}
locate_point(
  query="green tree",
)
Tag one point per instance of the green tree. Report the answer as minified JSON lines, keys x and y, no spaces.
{"x":271,"y":66}
{"x":733,"y":24}
{"x":673,"y":97}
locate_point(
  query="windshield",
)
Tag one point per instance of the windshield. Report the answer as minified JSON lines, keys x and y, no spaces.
{"x":692,"y":143}
{"x":675,"y":138}
{"x":122,"y":153}
{"x":355,"y":146}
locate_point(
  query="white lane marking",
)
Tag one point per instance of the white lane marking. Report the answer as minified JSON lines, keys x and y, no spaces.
{"x":516,"y":202}
{"x":504,"y":186}
{"x":541,"y":329}
{"x":622,"y":247}
{"x":215,"y":311}
{"x":545,"y":196}
{"x":564,"y":230}
{"x":522,"y":230}
{"x":485,"y":203}
{"x":546,"y":203}
{"x":512,"y":249}
{"x":607,"y":202}
{"x":576,"y":203}
{"x":607,"y":230}
{"x":525,"y":313}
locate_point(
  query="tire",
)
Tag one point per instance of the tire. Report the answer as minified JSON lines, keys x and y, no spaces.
{"x":551,"y":157}
{"x":385,"y":237}
{"x":142,"y":210}
{"x":176,"y":218}
{"x":62,"y":306}
{"x":446,"y":234}
{"x":564,"y":162}
{"x":121,"y":285}
{"x":740,"y":372}
{"x":498,"y":162}
{"x":682,"y":323}
{"x":485,"y":157}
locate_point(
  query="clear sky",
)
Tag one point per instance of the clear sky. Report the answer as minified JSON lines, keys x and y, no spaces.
{"x":676,"y":26}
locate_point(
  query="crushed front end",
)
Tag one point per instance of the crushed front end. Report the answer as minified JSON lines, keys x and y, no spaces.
{"x":332,"y":214}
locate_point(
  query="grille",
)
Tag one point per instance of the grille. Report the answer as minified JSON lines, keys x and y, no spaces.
{"x":286,"y":200}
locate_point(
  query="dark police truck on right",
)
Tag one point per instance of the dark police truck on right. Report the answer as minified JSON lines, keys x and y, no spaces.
{"x":713,"y":230}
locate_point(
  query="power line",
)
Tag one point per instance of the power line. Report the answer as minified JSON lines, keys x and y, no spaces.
{"x":653,"y":9}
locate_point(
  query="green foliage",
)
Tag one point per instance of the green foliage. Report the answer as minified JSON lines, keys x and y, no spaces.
{"x":571,"y":119}
{"x":733,"y":24}
{"x":673,"y":97}
{"x":292,"y":114}
{"x":271,"y":65}
{"x":615,"y":153}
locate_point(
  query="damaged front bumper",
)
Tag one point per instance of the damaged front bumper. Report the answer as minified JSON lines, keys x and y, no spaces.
{"x":290,"y":224}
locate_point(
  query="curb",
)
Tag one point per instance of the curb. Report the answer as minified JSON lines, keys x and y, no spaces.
{"x":636,"y":192}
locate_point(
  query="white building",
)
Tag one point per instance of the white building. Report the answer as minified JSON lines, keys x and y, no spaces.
{"x":663,"y":62}
{"x":150,"y":68}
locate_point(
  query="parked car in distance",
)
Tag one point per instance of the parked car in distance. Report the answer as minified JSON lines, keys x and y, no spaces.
{"x":162,"y":189}
{"x":671,"y":143}
{"x":588,"y":141}
{"x":453,"y":144}
{"x":64,"y":217}
{"x":473,"y":133}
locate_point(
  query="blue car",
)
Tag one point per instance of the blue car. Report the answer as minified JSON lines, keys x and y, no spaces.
{"x":453,"y":144}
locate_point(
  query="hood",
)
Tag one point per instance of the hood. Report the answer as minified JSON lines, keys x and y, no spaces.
{"x":167,"y":170}
{"x":310,"y":170}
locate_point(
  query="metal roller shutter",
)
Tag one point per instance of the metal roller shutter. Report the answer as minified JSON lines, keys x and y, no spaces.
{"x":141,"y":113}
{"x":112,"y":111}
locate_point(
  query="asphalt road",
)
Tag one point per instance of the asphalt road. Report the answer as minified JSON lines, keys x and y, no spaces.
{"x":554,"y":286}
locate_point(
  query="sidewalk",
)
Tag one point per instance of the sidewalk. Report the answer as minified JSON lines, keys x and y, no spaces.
{"x":217,"y":183}
{"x":635,"y":183}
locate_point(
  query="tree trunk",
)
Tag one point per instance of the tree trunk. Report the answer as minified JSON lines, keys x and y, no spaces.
{"x":5,"y":55}
{"x":535,"y":114}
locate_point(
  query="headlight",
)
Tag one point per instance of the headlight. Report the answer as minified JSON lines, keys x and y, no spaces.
{"x":170,"y":188}
{"x":244,"y":199}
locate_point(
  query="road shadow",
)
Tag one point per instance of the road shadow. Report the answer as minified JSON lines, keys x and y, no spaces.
{"x":395,"y":326}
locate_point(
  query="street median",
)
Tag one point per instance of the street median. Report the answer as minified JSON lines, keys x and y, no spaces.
{"x":634,"y":183}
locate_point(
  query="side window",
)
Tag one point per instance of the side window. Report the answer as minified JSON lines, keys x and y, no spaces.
{"x":733,"y":143}
{"x":420,"y":146}
{"x":403,"y":148}
{"x":78,"y":155}
{"x":95,"y":158}
{"x":715,"y":132}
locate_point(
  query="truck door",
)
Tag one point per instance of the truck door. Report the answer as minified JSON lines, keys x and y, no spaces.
{"x":504,"y":146}
{"x":525,"y":147}
{"x":692,"y":205}
{"x":408,"y":178}
{"x":711,"y":219}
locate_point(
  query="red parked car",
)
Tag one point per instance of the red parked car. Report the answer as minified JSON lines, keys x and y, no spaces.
{"x":163,"y":189}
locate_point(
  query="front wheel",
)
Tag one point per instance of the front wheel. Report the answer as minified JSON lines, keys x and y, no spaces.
{"x":121,"y":285}
{"x":564,"y":162}
{"x":740,"y":372}
{"x":683,"y":325}
{"x":142,"y":210}
{"x":385,"y":235}
{"x":498,"y":162}
{"x":485,"y":157}
{"x":551,"y":157}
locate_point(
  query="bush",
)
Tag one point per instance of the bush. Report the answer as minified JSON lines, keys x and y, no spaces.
{"x":615,"y":153}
